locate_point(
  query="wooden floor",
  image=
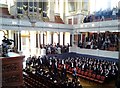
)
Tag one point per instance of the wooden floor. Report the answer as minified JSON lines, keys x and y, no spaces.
{"x":89,"y":84}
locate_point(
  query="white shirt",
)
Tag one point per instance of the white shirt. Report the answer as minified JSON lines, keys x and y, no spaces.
{"x":64,"y":66}
{"x":40,"y":61}
{"x":56,"y":64}
{"x":114,"y":12}
{"x":62,"y":61}
{"x":83,"y":65}
{"x":50,"y":62}
{"x":72,"y":64}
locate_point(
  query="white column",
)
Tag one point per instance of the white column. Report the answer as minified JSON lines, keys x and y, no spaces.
{"x":51,"y":10}
{"x":61,"y":38}
{"x":1,"y":36}
{"x":38,"y":39}
{"x":61,"y":8}
{"x":18,"y":41}
{"x":48,"y":37}
{"x":38,"y":48}
{"x":66,"y":8}
{"x":67,"y":38}
{"x":33,"y":42}
{"x":55,"y":38}
{"x":70,"y":49}
{"x":73,"y":39}
{"x":11,"y":36}
{"x":56,"y":6}
{"x":45,"y":38}
{"x":41,"y":37}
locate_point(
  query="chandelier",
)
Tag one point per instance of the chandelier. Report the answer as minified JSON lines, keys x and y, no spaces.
{"x":34,"y":11}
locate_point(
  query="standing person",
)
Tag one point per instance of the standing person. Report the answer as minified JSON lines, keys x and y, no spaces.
{"x":50,"y":65}
{"x":55,"y":70}
{"x":5,"y":46}
{"x":102,"y":18}
{"x":33,"y":61}
{"x":28,"y":62}
{"x":40,"y":62}
{"x":114,"y":11}
{"x":85,"y":20}
{"x":74,"y":73}
{"x":63,"y":72}
{"x":116,"y":39}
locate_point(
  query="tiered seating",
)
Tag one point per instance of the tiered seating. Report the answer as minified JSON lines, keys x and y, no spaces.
{"x":91,"y":74}
{"x":86,"y":74}
{"x":41,"y":77}
{"x":82,"y":66}
{"x":31,"y":82}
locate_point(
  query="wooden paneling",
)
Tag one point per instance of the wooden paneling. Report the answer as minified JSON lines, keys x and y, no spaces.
{"x":58,"y":20}
{"x":12,"y":71}
{"x":70,"y":21}
{"x":76,"y":39}
{"x":75,"y":20}
{"x":4,"y":11}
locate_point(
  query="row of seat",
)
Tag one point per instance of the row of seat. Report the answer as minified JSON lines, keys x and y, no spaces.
{"x":88,"y":74}
{"x":41,"y":77}
{"x":30,"y":82}
{"x":39,"y":81}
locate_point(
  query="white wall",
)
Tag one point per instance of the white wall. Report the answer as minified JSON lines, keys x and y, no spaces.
{"x":101,"y":53}
{"x":1,"y":36}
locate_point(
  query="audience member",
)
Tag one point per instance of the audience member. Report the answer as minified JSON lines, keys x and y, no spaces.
{"x":103,"y":15}
{"x":103,"y":41}
{"x":101,"y":67}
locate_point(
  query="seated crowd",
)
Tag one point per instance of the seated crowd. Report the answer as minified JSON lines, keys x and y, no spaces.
{"x":55,"y":48}
{"x":108,"y":14}
{"x":99,"y":67}
{"x":78,"y":66}
{"x":101,"y":41}
{"x":47,"y":70}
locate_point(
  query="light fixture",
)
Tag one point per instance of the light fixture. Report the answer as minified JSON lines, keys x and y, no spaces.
{"x":81,"y":26}
{"x":93,"y":25}
{"x":13,"y":22}
{"x":50,"y":25}
{"x":85,"y":25}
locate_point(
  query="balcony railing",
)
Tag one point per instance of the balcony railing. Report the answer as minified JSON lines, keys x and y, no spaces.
{"x":9,"y":23}
{"x":111,"y":25}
